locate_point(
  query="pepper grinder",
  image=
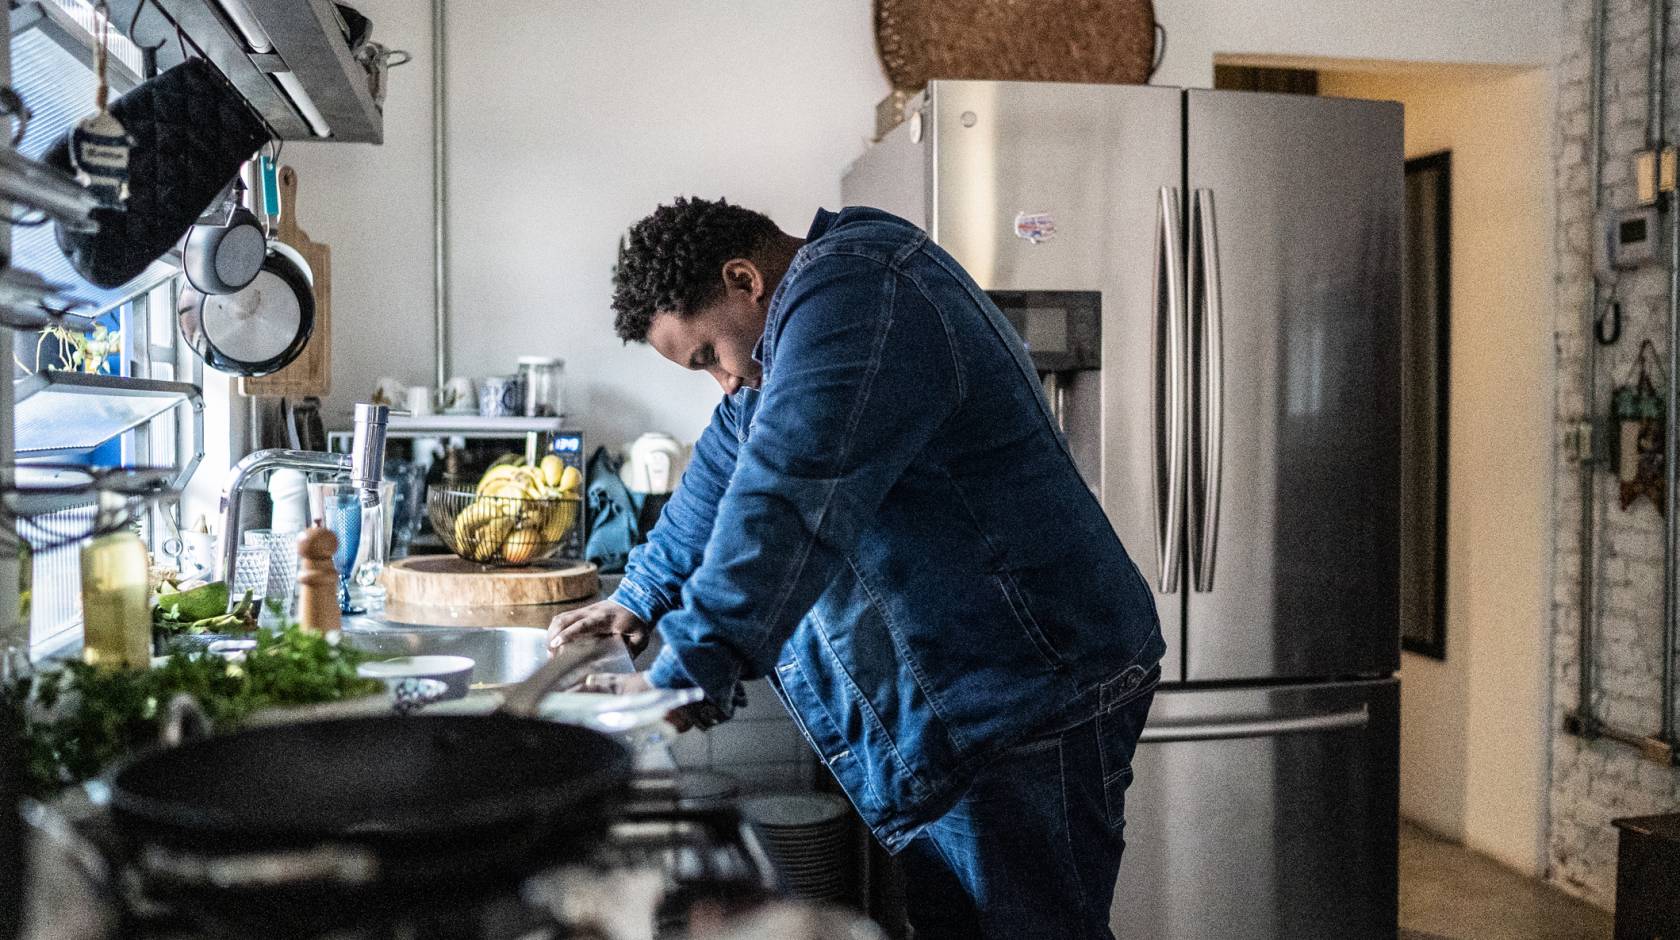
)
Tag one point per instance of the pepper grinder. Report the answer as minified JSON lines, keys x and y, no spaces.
{"x":317,"y":606}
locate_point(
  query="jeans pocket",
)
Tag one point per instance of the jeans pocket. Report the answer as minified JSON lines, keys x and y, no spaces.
{"x":1118,"y":729}
{"x":1114,"y":797}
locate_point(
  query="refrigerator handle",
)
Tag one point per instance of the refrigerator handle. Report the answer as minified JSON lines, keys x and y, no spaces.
{"x":1170,"y":432}
{"x":1210,"y":398}
{"x":1167,"y":732}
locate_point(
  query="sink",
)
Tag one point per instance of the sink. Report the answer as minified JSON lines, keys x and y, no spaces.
{"x":500,"y":655}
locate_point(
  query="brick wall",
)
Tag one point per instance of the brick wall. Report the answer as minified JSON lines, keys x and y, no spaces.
{"x":1594,"y":782}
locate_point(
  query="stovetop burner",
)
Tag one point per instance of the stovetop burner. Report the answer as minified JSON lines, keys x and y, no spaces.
{"x":670,"y":856}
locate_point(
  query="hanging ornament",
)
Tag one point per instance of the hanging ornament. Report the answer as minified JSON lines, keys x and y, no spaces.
{"x":1639,"y":415}
{"x":100,"y":145}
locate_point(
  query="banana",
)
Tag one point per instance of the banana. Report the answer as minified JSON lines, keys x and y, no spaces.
{"x":524,"y":509}
{"x":557,"y":519}
{"x":521,"y":546}
{"x":506,"y":489}
{"x":471,"y":520}
{"x":488,"y":540}
{"x":553,"y":469}
{"x":570,"y":479}
{"x":496,"y":475}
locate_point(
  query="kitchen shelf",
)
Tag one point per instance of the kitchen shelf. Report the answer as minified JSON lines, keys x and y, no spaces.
{"x":60,"y":412}
{"x":471,"y":427}
{"x":38,"y":490}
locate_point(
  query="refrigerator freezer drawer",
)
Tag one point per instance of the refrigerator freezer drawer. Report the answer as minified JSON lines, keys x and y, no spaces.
{"x":1264,"y":813}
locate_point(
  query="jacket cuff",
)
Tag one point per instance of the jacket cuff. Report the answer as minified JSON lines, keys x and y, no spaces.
{"x":723,"y":695}
{"x":637,"y":600}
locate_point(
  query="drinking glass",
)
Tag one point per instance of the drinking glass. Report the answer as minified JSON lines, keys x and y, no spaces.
{"x":408,"y":502}
{"x":250,"y":573}
{"x":282,"y":574}
{"x":338,"y":508}
{"x":376,"y":542}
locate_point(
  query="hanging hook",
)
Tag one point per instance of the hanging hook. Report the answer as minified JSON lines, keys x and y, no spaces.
{"x":148,"y":54}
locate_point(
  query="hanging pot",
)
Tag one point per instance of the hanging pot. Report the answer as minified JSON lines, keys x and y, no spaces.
{"x":260,"y":328}
{"x":224,"y":258}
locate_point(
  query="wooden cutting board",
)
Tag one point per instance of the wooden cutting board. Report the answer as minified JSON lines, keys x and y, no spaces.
{"x":311,"y":372}
{"x":452,"y":581}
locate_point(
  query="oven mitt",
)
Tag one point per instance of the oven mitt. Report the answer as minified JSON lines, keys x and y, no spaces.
{"x":191,"y":131}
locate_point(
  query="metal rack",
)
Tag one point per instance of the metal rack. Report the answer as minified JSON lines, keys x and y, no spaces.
{"x":468,"y":427}
{"x":104,"y":405}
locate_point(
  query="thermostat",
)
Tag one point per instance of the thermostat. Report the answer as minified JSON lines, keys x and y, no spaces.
{"x":1631,"y":238}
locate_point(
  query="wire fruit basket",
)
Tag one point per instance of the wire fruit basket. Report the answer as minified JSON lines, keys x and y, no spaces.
{"x":505,"y":531}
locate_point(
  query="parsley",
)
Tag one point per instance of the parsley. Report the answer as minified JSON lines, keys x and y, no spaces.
{"x":78,"y":720}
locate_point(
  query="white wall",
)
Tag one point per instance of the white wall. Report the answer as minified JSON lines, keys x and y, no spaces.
{"x":570,"y":120}
{"x":1497,"y":32}
{"x":567,"y":123}
{"x":1473,"y":727}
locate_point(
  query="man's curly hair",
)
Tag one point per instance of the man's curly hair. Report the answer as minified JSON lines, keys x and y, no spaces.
{"x":671,"y":260}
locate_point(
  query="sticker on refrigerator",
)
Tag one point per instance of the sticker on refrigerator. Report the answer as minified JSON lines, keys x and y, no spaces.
{"x":1035,"y":227}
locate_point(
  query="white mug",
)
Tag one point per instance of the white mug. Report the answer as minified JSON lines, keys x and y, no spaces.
{"x":459,"y":396}
{"x":419,"y":400}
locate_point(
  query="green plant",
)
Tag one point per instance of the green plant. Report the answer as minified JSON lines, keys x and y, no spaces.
{"x":78,"y":720}
{"x":88,"y":352}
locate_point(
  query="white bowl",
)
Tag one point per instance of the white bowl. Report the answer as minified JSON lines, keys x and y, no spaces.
{"x":455,"y":672}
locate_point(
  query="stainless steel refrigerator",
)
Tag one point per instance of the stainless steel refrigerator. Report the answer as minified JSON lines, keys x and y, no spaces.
{"x":1209,"y":284}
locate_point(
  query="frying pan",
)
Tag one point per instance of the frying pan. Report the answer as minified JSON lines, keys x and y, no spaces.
{"x":259,"y":328}
{"x":317,"y":825}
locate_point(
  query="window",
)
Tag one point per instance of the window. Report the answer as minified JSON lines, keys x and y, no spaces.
{"x":151,"y":349}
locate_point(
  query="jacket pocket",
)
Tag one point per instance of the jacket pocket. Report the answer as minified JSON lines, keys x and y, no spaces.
{"x":1024,"y":618}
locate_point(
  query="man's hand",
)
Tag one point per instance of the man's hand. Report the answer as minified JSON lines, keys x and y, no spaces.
{"x":603,"y":618}
{"x":616,"y":683}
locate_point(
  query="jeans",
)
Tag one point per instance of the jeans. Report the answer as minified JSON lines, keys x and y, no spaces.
{"x":1033,"y":847}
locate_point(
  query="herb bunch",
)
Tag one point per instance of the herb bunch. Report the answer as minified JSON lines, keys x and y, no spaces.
{"x":78,"y":720}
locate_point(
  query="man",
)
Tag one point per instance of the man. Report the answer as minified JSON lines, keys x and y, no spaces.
{"x":883,"y":520}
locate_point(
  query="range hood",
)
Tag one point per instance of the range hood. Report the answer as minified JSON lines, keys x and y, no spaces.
{"x":290,"y":59}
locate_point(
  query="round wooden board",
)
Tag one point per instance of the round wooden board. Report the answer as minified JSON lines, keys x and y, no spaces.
{"x":452,"y":581}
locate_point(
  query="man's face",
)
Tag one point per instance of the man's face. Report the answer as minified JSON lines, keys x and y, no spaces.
{"x":718,"y":339}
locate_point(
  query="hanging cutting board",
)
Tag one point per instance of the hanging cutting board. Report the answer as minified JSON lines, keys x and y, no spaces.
{"x":452,"y":581}
{"x":310,"y":373}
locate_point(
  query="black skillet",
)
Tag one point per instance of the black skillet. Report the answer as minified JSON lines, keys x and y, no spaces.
{"x":299,"y":828}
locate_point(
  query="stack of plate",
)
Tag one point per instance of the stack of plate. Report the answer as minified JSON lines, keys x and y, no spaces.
{"x":807,"y":837}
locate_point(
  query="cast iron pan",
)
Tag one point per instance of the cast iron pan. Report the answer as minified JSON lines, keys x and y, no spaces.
{"x":327,"y":823}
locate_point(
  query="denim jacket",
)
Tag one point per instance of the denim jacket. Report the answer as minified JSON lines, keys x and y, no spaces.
{"x":893,"y":532}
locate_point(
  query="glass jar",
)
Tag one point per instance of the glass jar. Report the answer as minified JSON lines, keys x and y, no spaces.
{"x":116,"y":621}
{"x":544,"y":377}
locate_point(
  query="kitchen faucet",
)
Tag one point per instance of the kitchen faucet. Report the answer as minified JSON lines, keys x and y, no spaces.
{"x":365,"y":465}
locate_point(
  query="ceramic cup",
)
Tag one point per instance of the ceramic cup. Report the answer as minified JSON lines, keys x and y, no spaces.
{"x":459,"y":397}
{"x":419,"y":400}
{"x":501,"y":396}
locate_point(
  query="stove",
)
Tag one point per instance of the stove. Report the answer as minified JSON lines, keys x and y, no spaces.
{"x":676,"y":854}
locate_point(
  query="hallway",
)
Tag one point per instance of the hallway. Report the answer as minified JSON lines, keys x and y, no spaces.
{"x":1450,"y":893}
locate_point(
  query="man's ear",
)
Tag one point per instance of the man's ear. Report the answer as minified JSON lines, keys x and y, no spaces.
{"x":742,"y":275}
